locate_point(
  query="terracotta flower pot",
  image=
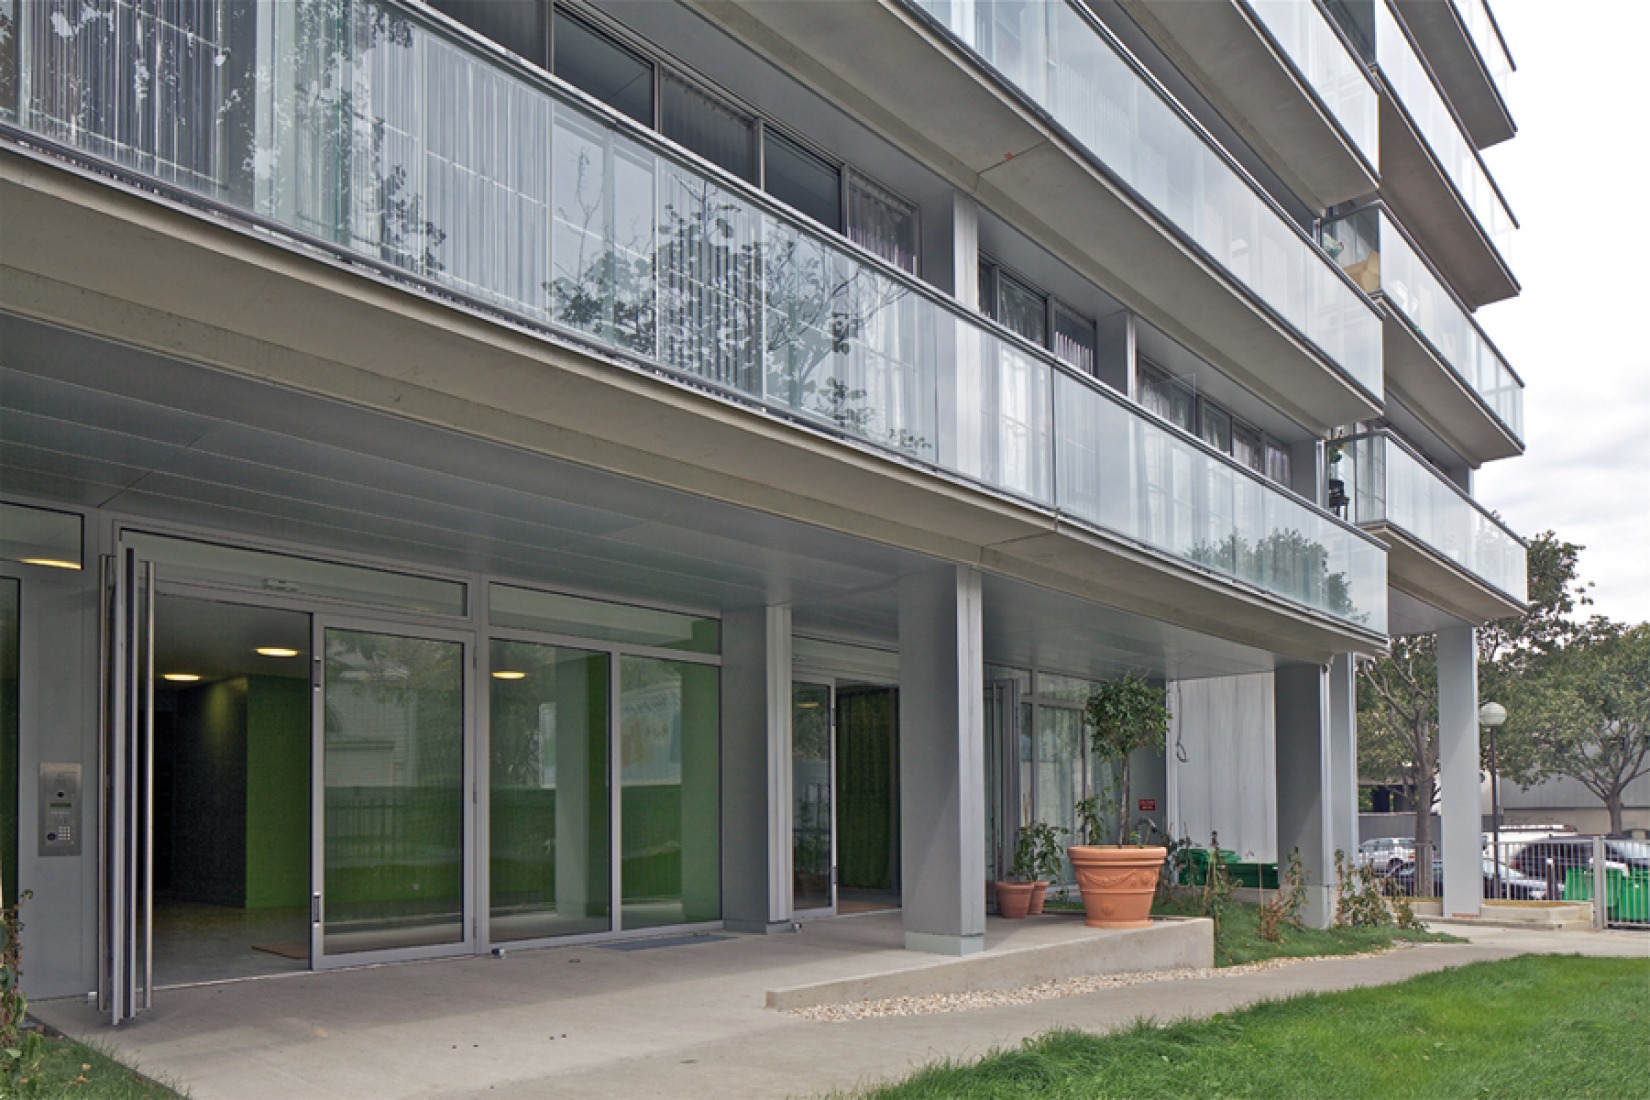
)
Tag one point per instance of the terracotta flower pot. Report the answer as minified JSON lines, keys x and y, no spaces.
{"x":1039,"y":892}
{"x":1118,"y":883}
{"x":1014,"y":899}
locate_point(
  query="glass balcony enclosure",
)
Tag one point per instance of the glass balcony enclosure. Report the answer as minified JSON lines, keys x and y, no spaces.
{"x":1063,"y":62}
{"x":1407,"y":76}
{"x":1323,"y":59}
{"x":360,"y":126}
{"x":1388,"y":483}
{"x":1370,"y":247}
{"x":1486,"y":37}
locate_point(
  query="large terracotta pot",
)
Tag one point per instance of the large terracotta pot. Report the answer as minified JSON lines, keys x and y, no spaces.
{"x":1014,"y":899}
{"x":1039,"y":893}
{"x":1118,"y":883}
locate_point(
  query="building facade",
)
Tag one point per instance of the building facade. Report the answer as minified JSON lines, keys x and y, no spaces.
{"x":484,"y":473}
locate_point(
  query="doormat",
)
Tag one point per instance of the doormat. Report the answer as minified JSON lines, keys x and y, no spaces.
{"x":662,"y":941}
{"x":285,"y":950}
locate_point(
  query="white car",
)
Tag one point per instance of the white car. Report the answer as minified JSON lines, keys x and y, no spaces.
{"x":1384,"y":853}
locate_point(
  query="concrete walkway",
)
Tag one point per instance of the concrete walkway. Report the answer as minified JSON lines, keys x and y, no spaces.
{"x":673,"y":1021}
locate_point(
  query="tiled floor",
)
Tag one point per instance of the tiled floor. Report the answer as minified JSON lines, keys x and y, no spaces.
{"x":205,"y":943}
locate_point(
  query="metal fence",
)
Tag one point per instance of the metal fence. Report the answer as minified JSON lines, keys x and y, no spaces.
{"x":1545,"y":869}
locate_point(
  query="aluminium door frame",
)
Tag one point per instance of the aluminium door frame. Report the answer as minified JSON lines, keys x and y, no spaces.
{"x":829,"y":682}
{"x":470,"y":920}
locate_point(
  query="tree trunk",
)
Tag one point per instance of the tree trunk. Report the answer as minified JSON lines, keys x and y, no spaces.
{"x":1612,"y":803}
{"x":1424,"y":790}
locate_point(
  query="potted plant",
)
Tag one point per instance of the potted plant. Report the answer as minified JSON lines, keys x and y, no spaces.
{"x":1118,"y":881}
{"x":1037,"y":856}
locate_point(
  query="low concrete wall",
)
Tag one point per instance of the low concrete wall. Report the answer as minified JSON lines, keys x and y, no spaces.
{"x":1170,"y":943}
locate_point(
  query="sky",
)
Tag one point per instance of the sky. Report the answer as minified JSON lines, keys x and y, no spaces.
{"x":1579,"y":334}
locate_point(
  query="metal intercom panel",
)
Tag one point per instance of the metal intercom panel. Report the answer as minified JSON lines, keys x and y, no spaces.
{"x":60,"y":809}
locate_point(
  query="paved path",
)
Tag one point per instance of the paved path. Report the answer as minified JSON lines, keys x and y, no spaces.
{"x":675,"y":1022}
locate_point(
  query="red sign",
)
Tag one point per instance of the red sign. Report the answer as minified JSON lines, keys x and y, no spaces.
{"x":1148,"y":805}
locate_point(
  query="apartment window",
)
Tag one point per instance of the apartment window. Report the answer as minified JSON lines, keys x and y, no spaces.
{"x":882,"y":222}
{"x":1214,"y":425}
{"x":1163,"y":396}
{"x":1247,"y":447}
{"x":1020,"y":308}
{"x":698,"y":119}
{"x":517,"y":25}
{"x":1279,"y":467}
{"x":595,"y":63}
{"x":801,"y":180}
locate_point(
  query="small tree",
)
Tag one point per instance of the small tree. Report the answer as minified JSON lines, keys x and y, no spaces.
{"x":1124,"y":716}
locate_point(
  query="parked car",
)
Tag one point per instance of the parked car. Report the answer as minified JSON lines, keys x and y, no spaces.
{"x":1515,"y":886}
{"x":1384,"y":853}
{"x":1552,"y":858}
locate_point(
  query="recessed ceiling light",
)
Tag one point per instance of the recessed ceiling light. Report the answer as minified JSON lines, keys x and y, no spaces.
{"x":181,"y":677}
{"x":509,"y":674}
{"x":51,"y":563}
{"x":276,"y":651}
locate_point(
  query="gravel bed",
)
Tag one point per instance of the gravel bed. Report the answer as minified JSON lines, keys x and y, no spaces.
{"x":934,"y":1003}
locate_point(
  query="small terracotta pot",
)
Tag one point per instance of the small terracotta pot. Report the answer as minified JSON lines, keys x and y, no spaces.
{"x":1118,"y":883}
{"x":1039,"y":892}
{"x":1014,"y":899}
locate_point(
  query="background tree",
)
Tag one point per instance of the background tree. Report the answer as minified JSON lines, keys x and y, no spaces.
{"x":1398,"y":695}
{"x":1583,"y":711}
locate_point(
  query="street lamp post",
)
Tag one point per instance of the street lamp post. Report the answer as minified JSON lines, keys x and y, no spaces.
{"x":1490,"y":716}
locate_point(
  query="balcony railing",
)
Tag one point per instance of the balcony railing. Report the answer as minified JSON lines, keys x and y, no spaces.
{"x":1410,"y":82}
{"x":1067,"y":65}
{"x":1370,"y":248}
{"x":360,"y":126}
{"x":1389,"y":483}
{"x":1328,"y":65}
{"x":1486,"y":37}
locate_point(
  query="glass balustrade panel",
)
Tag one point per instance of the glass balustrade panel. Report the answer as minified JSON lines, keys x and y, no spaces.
{"x":1091,"y":91}
{"x":1124,"y":471}
{"x":1410,"y":82}
{"x":1322,"y":58}
{"x":345,"y":120}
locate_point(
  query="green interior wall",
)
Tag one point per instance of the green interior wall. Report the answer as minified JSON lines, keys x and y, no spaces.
{"x":867,"y":788}
{"x":277,"y":792}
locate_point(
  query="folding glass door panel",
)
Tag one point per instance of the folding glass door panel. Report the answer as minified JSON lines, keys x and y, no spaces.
{"x":549,"y":822}
{"x":391,"y":834}
{"x":813,"y":821}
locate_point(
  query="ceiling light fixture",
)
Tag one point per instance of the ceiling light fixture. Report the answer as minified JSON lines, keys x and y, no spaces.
{"x":181,"y":677}
{"x":509,"y":674}
{"x":276,"y":651}
{"x":51,"y":563}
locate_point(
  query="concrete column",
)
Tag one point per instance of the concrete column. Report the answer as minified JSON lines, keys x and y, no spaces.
{"x":1343,"y":756}
{"x":942,"y":761}
{"x":756,"y":770}
{"x":1314,"y":808}
{"x":965,"y":250}
{"x":1461,"y":843}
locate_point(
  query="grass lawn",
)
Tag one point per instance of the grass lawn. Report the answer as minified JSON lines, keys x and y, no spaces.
{"x":70,"y":1069}
{"x":1241,"y":943}
{"x":1544,"y":1027}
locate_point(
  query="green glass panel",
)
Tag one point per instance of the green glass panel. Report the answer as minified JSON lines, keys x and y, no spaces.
{"x":670,"y":833}
{"x":867,"y":771}
{"x":10,"y":638}
{"x":549,"y":832}
{"x":394,"y":792}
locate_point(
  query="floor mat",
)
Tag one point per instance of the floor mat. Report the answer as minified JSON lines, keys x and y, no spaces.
{"x":285,"y":950}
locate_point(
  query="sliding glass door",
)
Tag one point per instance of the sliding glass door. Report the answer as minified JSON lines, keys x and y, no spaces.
{"x":391,"y":835}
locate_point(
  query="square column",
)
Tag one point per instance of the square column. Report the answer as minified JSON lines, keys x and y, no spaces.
{"x":1317,"y":801}
{"x":1460,"y":820}
{"x":756,"y":770}
{"x":942,"y":761}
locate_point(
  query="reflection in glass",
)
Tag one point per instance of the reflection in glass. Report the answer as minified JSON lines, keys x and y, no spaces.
{"x":549,"y":833}
{"x":393,"y":855}
{"x":670,"y":833}
{"x":1059,"y":765}
{"x":811,"y":817}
